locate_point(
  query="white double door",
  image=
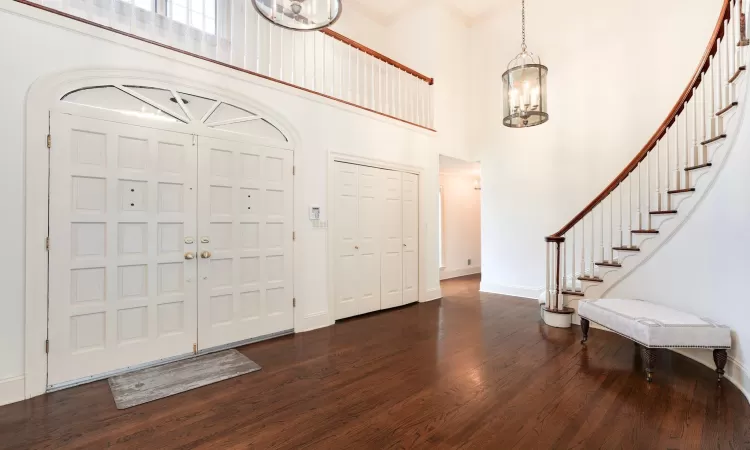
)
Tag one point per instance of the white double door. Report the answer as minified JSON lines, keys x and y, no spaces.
{"x":162,"y":244}
{"x":375,"y":232}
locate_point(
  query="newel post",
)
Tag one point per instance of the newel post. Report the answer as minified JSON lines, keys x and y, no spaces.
{"x":554,"y":312}
{"x":744,"y":41}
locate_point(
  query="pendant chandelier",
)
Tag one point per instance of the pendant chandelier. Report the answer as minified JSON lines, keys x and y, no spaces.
{"x":525,"y":86}
{"x":299,"y":15}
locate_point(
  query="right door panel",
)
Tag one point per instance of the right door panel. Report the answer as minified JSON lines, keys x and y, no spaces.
{"x":410,"y":183}
{"x":391,"y":263}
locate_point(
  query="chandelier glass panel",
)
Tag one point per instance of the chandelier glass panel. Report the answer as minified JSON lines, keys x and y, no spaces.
{"x":525,"y":86}
{"x":300,"y":15}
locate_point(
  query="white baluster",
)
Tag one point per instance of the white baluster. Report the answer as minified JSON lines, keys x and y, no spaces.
{"x":696,"y":126}
{"x":677,"y":152}
{"x":666,"y":171}
{"x":373,"y":105}
{"x":619,"y":221}
{"x":658,"y":175}
{"x":601,"y":238}
{"x":270,"y":53}
{"x":573,"y":259}
{"x":341,"y":73}
{"x":648,"y":191}
{"x":257,"y":43}
{"x":548,"y":286}
{"x":611,"y":228}
{"x":564,"y":266}
{"x":727,"y":67}
{"x":593,"y":245}
{"x":630,"y":208}
{"x":583,"y":246}
{"x":639,"y":198}
{"x":356,"y":81}
{"x":685,"y":164}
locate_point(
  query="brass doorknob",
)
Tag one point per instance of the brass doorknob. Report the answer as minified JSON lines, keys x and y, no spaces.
{"x":189,"y":255}
{"x":356,"y":247}
{"x":205,"y":254}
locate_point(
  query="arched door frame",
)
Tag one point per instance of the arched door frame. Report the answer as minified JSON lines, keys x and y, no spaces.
{"x":42,"y":102}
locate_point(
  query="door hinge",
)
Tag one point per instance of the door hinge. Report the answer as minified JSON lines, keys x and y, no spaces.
{"x":294,"y":303}
{"x":49,"y":141}
{"x":294,"y":235}
{"x":46,"y":243}
{"x":46,"y":346}
{"x":294,"y":170}
{"x":195,"y":349}
{"x":193,"y":139}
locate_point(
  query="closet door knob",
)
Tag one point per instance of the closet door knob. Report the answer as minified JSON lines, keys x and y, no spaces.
{"x":356,"y":247}
{"x":206,"y":255}
{"x":189,"y":255}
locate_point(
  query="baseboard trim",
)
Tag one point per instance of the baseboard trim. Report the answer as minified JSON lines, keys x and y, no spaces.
{"x":735,"y":371}
{"x":11,"y":390}
{"x":433,"y":294}
{"x":314,"y":321}
{"x":514,"y":291}
{"x":455,"y":273}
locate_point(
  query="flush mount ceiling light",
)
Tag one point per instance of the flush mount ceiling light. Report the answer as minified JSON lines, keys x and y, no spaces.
{"x":525,"y":86}
{"x":300,"y":15}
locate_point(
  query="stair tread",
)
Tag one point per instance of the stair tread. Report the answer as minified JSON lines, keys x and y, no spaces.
{"x":699,"y":166}
{"x":727,"y":108}
{"x":714,"y":139}
{"x":645,"y":231}
{"x":670,"y":211}
{"x":626,"y":249}
{"x":737,"y":74}
{"x":608,"y":264}
{"x":568,"y":292}
{"x":587,"y":278}
{"x":681,"y":191}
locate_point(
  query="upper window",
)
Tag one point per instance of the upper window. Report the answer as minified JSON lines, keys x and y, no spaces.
{"x":168,"y":105}
{"x":198,"y":14}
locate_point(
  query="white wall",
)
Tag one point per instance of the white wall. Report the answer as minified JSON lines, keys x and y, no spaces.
{"x":461,"y":225}
{"x":321,"y":126}
{"x":615,"y":71}
{"x":704,"y":267}
{"x":363,"y":29}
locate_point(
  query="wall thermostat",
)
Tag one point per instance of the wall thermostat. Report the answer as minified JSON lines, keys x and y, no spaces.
{"x":314,"y":212}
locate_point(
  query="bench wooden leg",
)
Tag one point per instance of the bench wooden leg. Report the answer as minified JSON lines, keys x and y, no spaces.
{"x":585,"y":324}
{"x":720,"y":358}
{"x":648,"y":355}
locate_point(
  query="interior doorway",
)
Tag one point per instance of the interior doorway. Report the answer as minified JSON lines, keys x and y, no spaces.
{"x":460,"y":218}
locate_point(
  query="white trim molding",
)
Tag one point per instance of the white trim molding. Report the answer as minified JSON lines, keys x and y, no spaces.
{"x":455,"y":273}
{"x":11,"y":390}
{"x":433,"y":294}
{"x":529,"y":292}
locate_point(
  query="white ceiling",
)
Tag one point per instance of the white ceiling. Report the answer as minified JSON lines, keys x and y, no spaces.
{"x":385,"y":11}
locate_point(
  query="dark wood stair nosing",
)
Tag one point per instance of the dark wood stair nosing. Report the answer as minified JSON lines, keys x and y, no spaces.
{"x":737,"y":74}
{"x":626,"y":249}
{"x":681,"y":191}
{"x":723,"y":110}
{"x":568,"y":292}
{"x":714,"y":139}
{"x":658,"y":213}
{"x":594,"y":279}
{"x":699,"y":166}
{"x":645,"y":231}
{"x":608,"y":264}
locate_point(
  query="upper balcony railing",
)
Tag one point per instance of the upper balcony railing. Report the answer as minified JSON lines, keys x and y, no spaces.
{"x":233,"y":34}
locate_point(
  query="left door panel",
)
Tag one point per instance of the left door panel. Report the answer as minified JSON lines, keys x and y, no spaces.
{"x":122,"y":231}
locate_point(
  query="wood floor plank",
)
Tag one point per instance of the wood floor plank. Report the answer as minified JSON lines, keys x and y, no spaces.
{"x":471,"y":370}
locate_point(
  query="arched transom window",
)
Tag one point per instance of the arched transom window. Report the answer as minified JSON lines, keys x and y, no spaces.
{"x":173,"y":106}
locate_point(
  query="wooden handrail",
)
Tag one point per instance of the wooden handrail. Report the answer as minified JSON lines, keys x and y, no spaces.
{"x":338,"y":36}
{"x":373,"y":53}
{"x":687,"y":94}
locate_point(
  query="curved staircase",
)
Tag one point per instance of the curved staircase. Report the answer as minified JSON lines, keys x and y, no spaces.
{"x":656,"y":193}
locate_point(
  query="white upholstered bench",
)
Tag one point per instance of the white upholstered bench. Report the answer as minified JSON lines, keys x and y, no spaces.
{"x":655,"y":326}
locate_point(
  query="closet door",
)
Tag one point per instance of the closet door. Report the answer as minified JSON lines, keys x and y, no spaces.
{"x":410,"y":195}
{"x":356,"y":228}
{"x":368,"y":244}
{"x":391,"y":266}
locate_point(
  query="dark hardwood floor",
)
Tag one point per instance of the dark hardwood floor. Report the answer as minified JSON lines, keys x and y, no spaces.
{"x":469,"y":371}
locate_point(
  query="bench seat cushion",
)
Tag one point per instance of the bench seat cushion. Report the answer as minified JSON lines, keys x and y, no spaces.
{"x":655,"y":325}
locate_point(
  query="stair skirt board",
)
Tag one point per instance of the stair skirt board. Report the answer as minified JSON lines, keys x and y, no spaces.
{"x":103,"y":376}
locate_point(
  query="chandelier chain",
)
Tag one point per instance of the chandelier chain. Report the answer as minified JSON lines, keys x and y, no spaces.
{"x":523,"y":25}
